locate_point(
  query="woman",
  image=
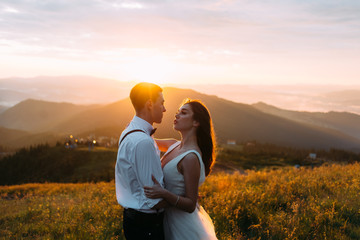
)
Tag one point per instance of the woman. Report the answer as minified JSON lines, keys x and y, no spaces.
{"x":185,"y":165}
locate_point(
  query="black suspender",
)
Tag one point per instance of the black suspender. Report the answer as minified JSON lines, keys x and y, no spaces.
{"x":135,"y":130}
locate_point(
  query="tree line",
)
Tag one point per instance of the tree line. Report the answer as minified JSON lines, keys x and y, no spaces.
{"x":45,"y":163}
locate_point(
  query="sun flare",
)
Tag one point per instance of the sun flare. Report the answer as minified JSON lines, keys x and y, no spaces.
{"x":155,"y":69}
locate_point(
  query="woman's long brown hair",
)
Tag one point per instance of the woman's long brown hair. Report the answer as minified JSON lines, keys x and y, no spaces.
{"x":204,"y":133}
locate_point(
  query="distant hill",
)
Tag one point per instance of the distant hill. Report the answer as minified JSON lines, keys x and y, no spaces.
{"x":300,"y":97}
{"x":10,"y":135}
{"x":345,"y":122}
{"x":74,"y":89}
{"x":14,"y":139}
{"x":2,"y":108}
{"x":39,"y":116}
{"x":109,"y":119}
{"x":239,"y":122}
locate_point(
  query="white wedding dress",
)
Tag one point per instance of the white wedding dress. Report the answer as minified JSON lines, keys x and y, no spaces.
{"x":178,"y":224}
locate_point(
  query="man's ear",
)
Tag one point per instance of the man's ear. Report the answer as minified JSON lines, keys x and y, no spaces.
{"x":148,"y":104}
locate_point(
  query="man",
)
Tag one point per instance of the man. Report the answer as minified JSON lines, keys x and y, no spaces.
{"x":137,"y":160}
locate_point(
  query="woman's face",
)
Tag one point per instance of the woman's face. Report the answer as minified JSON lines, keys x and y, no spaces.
{"x":184,"y":118}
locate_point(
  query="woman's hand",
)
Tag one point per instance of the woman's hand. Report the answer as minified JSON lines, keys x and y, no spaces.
{"x":164,"y":144}
{"x":156,"y":191}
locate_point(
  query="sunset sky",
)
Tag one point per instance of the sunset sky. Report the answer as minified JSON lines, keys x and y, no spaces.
{"x":204,"y":41}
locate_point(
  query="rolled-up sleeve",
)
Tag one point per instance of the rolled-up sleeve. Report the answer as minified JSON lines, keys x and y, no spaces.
{"x":147,"y":163}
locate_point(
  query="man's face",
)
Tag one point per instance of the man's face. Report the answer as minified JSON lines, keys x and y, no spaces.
{"x":158,"y":109}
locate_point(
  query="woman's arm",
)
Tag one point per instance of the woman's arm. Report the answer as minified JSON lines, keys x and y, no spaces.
{"x":190,"y":168}
{"x":164,"y":144}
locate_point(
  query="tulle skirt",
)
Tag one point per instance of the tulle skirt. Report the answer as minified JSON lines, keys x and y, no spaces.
{"x":180,"y":225}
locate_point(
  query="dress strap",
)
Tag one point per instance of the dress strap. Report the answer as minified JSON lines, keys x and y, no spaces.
{"x":191,"y":151}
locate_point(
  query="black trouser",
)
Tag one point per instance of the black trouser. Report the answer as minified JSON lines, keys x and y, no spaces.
{"x":138,"y":225}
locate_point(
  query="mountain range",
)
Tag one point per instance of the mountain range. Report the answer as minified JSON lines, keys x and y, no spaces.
{"x":82,"y":90}
{"x":348,"y":123}
{"x":33,"y":120}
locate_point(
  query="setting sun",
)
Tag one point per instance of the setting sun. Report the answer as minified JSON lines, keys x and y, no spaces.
{"x":156,"y":69}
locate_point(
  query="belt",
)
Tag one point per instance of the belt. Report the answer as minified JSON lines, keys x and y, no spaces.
{"x":144,"y":217}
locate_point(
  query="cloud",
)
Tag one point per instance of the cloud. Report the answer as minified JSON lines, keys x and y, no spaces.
{"x":10,"y":10}
{"x":215,"y":32}
{"x":131,"y":5}
{"x":184,"y":23}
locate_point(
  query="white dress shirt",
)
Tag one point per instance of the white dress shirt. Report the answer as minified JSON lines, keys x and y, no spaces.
{"x":138,"y":158}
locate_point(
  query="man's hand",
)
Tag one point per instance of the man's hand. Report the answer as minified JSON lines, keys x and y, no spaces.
{"x":161,"y":204}
{"x":156,"y":191}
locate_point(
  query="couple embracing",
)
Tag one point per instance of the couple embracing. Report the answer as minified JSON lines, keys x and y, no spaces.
{"x":159,"y":197}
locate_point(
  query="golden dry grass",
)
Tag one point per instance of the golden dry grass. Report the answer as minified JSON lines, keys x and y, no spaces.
{"x":288,"y":203}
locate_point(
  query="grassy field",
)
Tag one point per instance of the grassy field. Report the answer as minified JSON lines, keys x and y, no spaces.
{"x":287,"y":203}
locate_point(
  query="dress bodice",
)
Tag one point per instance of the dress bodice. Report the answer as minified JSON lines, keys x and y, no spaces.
{"x":173,"y":179}
{"x":178,"y":224}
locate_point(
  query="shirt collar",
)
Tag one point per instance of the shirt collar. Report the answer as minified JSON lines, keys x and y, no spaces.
{"x":142,"y":124}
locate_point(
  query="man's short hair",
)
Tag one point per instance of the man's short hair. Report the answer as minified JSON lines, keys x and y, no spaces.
{"x":142,"y":92}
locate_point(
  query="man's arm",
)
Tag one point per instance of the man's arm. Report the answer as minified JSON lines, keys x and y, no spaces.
{"x":147,"y":164}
